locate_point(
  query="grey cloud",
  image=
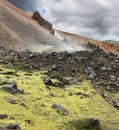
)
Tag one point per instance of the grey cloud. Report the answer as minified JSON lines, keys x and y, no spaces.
{"x":27,"y":5}
{"x":97,"y":19}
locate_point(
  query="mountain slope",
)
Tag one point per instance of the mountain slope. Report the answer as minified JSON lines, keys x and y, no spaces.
{"x":77,"y":41}
{"x":18,"y":30}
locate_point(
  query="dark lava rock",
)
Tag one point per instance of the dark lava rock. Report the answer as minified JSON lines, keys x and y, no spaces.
{"x":85,"y":95}
{"x":52,"y":94}
{"x":71,"y":94}
{"x":94,"y":124}
{"x":60,"y":109}
{"x":46,"y":24}
{"x":48,"y":81}
{"x":78,"y":93}
{"x":11,"y":101}
{"x":29,"y":121}
{"x":73,"y":81}
{"x":73,"y":70}
{"x":53,"y":68}
{"x":23,"y":105}
{"x":13,"y":127}
{"x":12,"y":88}
{"x":32,"y":55}
{"x":90,"y":72}
{"x":3,"y":116}
{"x":58,"y":84}
{"x":62,"y":56}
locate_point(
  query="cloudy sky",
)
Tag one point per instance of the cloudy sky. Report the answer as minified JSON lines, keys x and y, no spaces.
{"x":97,"y":19}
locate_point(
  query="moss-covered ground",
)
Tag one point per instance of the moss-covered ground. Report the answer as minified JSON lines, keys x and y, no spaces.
{"x":33,"y":110}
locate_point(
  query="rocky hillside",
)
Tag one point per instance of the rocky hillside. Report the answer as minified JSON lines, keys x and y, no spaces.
{"x":59,"y":90}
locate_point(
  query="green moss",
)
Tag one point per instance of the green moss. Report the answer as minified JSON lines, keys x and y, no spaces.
{"x":37,"y":104}
{"x":83,"y":124}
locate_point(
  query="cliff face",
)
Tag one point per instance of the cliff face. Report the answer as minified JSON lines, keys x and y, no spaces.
{"x":46,"y":24}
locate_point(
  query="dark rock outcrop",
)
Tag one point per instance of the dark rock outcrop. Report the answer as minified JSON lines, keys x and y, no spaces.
{"x":46,"y":24}
{"x":12,"y":88}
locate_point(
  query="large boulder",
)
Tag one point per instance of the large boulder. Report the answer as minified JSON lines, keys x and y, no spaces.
{"x":12,"y":88}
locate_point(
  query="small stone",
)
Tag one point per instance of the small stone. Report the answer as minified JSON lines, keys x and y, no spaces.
{"x":85,"y":95}
{"x":112,"y":77}
{"x":3,"y":116}
{"x":104,"y":95}
{"x":48,"y":81}
{"x":53,"y":68}
{"x":60,"y":109}
{"x":13,"y":127}
{"x":11,"y":101}
{"x":73,"y":70}
{"x":71,"y":94}
{"x":52,"y":94}
{"x":78,"y":93}
{"x":58,"y":84}
{"x":29,"y":121}
{"x":108,"y":88}
{"x":22,"y":104}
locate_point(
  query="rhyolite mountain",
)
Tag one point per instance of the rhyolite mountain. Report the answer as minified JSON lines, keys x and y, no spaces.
{"x":20,"y":31}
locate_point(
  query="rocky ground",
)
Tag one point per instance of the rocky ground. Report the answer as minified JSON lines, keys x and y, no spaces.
{"x":61,"y":69}
{"x":96,"y":65}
